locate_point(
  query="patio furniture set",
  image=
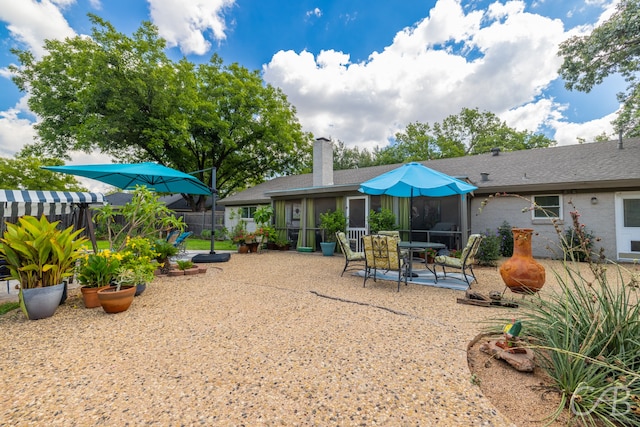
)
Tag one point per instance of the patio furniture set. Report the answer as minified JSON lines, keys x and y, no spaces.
{"x":384,"y":252}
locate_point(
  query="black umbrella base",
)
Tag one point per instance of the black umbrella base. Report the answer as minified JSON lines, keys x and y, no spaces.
{"x":206,"y":258}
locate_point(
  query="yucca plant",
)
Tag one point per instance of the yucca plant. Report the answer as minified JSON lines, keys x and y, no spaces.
{"x":586,"y":335}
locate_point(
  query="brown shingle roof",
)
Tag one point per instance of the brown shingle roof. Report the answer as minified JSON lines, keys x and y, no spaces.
{"x":598,"y":165}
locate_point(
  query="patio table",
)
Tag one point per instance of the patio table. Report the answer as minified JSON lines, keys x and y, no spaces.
{"x":419,"y":247}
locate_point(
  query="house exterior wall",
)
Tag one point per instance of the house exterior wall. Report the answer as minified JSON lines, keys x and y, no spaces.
{"x":598,"y":219}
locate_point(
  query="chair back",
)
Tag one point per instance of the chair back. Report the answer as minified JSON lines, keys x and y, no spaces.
{"x":391,"y":233}
{"x":345,"y":246}
{"x":469,"y":252}
{"x":382,"y":252}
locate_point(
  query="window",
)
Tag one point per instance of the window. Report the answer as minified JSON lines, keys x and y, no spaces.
{"x":549,"y":206}
{"x":247,"y":212}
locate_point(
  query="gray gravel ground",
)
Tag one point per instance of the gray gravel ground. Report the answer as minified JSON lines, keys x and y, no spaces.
{"x":276,"y":338}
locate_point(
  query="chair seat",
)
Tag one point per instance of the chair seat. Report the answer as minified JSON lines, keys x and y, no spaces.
{"x":449,"y":261}
{"x":463,"y":263}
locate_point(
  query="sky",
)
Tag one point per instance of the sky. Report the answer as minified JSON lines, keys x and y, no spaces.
{"x":356,"y":71}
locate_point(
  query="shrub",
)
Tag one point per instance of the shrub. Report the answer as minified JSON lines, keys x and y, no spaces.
{"x":577,"y":243}
{"x":205,"y":234}
{"x":506,"y":239}
{"x":489,"y":250}
{"x":383,"y":220}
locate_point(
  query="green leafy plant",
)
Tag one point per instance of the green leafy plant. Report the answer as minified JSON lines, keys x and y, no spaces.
{"x":239,"y":233}
{"x":144,"y":216}
{"x":137,"y":262}
{"x":184,"y":264}
{"x":382,"y":220}
{"x":332,"y":222}
{"x":506,"y":239}
{"x":205,"y":234}
{"x":38,"y":254}
{"x":262,"y":216}
{"x":577,"y":243}
{"x":8,"y":306}
{"x":164,"y":250}
{"x":489,"y":250}
{"x":97,"y":270}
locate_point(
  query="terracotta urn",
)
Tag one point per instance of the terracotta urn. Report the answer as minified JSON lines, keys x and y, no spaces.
{"x":521,"y":273}
{"x":243,"y":249}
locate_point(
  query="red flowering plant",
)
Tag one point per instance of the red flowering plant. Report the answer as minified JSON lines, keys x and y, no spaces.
{"x":265,"y":232}
{"x":239,"y":234}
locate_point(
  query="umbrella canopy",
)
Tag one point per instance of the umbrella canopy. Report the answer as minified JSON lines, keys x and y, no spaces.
{"x":126,"y":176}
{"x":414,"y":179}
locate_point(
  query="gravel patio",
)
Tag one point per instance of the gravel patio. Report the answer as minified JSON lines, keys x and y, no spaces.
{"x":275,"y":338}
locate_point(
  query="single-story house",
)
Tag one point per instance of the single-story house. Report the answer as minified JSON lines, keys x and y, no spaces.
{"x":600,"y":180}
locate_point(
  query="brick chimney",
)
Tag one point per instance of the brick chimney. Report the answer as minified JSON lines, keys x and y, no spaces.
{"x":322,"y":162}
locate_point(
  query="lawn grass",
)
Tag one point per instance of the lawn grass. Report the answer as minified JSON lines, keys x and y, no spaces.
{"x":193,"y":244}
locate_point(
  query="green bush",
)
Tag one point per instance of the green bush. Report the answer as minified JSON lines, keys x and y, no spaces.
{"x":205,"y":234}
{"x":383,"y":220}
{"x":506,"y":239}
{"x":489,"y":250}
{"x":577,"y":243}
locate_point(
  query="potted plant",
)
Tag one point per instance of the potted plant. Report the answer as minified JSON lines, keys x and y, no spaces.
{"x":164,"y":251}
{"x":281,"y":242}
{"x":239,"y":237}
{"x":137,"y":266}
{"x":331,"y":222}
{"x":145,"y":216}
{"x":96,"y":272}
{"x":40,"y":257}
{"x":430,"y":254}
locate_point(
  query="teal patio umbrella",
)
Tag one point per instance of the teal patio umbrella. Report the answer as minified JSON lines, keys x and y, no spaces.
{"x":413,"y":180}
{"x":159,"y":178}
{"x":126,"y":176}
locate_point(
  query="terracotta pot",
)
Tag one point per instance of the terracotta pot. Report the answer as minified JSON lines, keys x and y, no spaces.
{"x":253,"y":247}
{"x":243,"y":249}
{"x":521,"y":273}
{"x":90,"y":296}
{"x":113,"y":301}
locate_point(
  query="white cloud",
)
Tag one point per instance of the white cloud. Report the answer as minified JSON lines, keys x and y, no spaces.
{"x":31,"y":22}
{"x":315,"y":12}
{"x":497,"y":60}
{"x":184,"y":23}
{"x":568,"y":133}
{"x":15,"y":132}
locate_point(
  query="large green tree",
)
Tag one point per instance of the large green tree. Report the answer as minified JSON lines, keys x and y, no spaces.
{"x":613,"y":47}
{"x":25,"y":173}
{"x":123,"y":96}
{"x":469,"y":132}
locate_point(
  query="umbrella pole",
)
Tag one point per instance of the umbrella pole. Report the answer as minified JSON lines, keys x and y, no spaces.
{"x":213,"y":209}
{"x":411,"y":216}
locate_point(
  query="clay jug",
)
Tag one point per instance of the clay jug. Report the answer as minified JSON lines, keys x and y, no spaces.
{"x":521,"y":273}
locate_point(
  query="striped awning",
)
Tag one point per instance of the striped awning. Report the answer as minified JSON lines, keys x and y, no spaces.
{"x":15,"y":203}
